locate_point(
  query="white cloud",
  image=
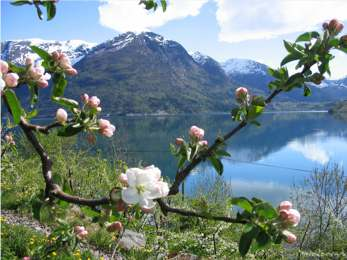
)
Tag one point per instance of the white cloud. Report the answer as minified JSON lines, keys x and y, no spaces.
{"x":128,"y":15}
{"x":311,"y":151}
{"x":259,"y":19}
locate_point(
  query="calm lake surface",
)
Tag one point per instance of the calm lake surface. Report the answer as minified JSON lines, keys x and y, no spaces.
{"x":265,"y":160}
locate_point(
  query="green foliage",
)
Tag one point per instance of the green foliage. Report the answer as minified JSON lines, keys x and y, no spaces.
{"x":14,"y":104}
{"x":49,"y":5}
{"x":153,"y":4}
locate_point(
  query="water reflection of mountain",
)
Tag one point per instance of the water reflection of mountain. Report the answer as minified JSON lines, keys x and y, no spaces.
{"x":146,"y":139}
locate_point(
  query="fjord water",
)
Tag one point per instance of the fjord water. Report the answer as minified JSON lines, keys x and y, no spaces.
{"x":265,"y":161}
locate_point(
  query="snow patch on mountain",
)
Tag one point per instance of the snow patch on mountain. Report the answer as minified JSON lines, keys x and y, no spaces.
{"x":16,"y":51}
{"x":199,"y":57}
{"x":244,"y":66}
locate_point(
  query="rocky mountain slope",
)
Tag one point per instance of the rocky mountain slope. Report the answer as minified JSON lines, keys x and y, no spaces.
{"x":146,"y":73}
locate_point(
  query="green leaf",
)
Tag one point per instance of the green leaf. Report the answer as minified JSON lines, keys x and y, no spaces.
{"x":34,"y":93}
{"x":290,"y":57}
{"x":66,"y":102}
{"x":307,"y":36}
{"x":334,"y":42}
{"x":222,"y":153}
{"x":307,"y":91}
{"x":266,"y":211}
{"x":181,"y":161}
{"x":258,"y":100}
{"x":21,"y":2}
{"x":42,"y":53}
{"x":39,"y":12}
{"x":69,"y":131}
{"x":246,"y":240}
{"x":291,"y":48}
{"x":60,"y":83}
{"x":163,"y":5}
{"x":254,"y":111}
{"x":32,"y":114}
{"x":14,"y":104}
{"x":51,"y":10}
{"x":243,"y":203}
{"x":217,"y":164}
{"x":173,"y":149}
{"x":16,"y":69}
{"x":262,"y":239}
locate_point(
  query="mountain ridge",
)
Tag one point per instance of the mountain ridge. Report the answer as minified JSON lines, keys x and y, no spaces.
{"x":147,"y":73}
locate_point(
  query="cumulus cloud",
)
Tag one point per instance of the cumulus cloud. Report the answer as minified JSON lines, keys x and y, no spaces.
{"x":128,"y":15}
{"x":311,"y":151}
{"x":259,"y":19}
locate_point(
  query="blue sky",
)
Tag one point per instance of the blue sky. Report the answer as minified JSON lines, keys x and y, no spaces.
{"x":223,"y":29}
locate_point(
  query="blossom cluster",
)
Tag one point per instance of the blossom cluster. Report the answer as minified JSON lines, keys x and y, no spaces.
{"x":142,"y":186}
{"x":196,"y":134}
{"x":63,"y":62}
{"x":289,"y":218}
{"x":7,"y":79}
{"x":36,"y":73}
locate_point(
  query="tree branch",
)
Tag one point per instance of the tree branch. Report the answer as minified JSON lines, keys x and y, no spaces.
{"x":39,"y":128}
{"x":183,"y":174}
{"x":167,"y":209}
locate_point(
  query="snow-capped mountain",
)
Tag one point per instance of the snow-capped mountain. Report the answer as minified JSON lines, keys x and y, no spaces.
{"x":244,"y":66}
{"x":17,"y":50}
{"x":126,"y":39}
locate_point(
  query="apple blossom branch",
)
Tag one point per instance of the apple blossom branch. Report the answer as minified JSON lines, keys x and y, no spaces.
{"x":183,"y":174}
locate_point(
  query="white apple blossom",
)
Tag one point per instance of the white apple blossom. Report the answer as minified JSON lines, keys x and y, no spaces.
{"x":144,"y":185}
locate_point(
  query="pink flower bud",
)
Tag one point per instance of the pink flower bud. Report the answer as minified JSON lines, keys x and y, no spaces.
{"x":71,"y":72}
{"x":104,"y":123}
{"x":79,"y":229}
{"x":26,"y":258}
{"x":196,"y":132}
{"x":293,"y":217}
{"x":11,"y":79}
{"x":108,"y":132}
{"x":241,"y":93}
{"x":42,"y":83}
{"x":123,"y":179}
{"x":179,"y":141}
{"x":335,"y":27}
{"x":94,"y":102}
{"x":289,"y":236}
{"x":203,"y":143}
{"x":283,"y":214}
{"x":3,"y":67}
{"x":115,"y":226}
{"x":85,"y":98}
{"x":29,"y":61}
{"x":285,"y":205}
{"x":61,"y":115}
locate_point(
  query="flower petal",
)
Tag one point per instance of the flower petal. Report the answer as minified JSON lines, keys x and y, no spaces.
{"x":132,"y":176}
{"x":146,"y":203}
{"x":130,"y":196}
